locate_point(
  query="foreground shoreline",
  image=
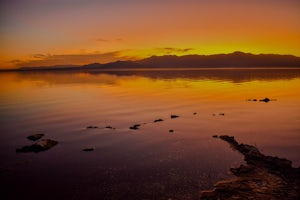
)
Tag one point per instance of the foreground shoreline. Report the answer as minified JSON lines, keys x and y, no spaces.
{"x":263,"y":177}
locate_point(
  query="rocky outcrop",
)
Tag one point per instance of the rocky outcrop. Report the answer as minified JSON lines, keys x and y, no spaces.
{"x":158,"y":120}
{"x":35,"y":137}
{"x":263,"y":177}
{"x":39,"y":146}
{"x":174,"y":116}
{"x":135,"y":127}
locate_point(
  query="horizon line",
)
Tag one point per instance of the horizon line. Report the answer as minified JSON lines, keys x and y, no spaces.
{"x":140,"y":59}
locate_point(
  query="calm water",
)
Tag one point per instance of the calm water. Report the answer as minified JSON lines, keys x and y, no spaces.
{"x":149,"y":163}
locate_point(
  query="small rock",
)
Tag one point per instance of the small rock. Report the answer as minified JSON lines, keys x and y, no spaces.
{"x":35,"y":137}
{"x":265,"y":100}
{"x":194,"y":113}
{"x":92,"y":127}
{"x":109,"y":127}
{"x":42,"y":145}
{"x":254,"y":99}
{"x":213,"y":114}
{"x":135,"y":127}
{"x":174,"y":116}
{"x":88,"y":149}
{"x":171,"y":131}
{"x":215,"y":136}
{"x":222,"y":114}
{"x":158,"y":120}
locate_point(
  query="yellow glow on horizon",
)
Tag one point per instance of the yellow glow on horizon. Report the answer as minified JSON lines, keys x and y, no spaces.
{"x":145,"y":87}
{"x":145,"y":28}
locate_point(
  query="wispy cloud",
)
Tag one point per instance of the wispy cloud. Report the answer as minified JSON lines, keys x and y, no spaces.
{"x":83,"y":58}
{"x":102,"y":40}
{"x":15,"y":61}
{"x":172,"y":50}
{"x":109,"y":40}
{"x":70,"y":59}
{"x":38,"y":56}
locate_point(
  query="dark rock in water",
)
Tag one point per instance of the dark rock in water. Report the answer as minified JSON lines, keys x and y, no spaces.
{"x":213,"y":114}
{"x":88,"y":149}
{"x":109,"y":127}
{"x":158,"y":120}
{"x":222,"y":114}
{"x":171,"y":131}
{"x":194,"y":113}
{"x":265,"y":100}
{"x":174,"y":116}
{"x":89,"y":127}
{"x":229,"y":139}
{"x":215,"y":136}
{"x":42,"y":145}
{"x":35,"y":137}
{"x":254,"y":99}
{"x":263,"y":177}
{"x":135,"y":127}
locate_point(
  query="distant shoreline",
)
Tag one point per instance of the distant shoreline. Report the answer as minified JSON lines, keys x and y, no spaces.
{"x":237,"y":59}
{"x":149,"y":69}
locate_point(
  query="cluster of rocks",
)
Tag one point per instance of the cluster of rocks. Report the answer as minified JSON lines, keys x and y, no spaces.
{"x":41,"y":145}
{"x":137,"y":126}
{"x":266,"y":100}
{"x":263,"y":177}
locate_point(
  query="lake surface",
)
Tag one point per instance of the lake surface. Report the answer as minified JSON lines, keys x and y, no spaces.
{"x":151,"y":162}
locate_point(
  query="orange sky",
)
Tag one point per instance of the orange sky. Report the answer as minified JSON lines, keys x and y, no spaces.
{"x":51,"y":32}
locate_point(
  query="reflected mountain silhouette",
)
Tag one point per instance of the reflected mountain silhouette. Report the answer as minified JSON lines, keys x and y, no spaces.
{"x":113,"y":76}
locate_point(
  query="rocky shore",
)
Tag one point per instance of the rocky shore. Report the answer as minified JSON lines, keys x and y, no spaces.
{"x":263,"y":177}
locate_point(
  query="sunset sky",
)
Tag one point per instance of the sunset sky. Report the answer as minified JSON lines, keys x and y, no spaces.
{"x":54,"y":32}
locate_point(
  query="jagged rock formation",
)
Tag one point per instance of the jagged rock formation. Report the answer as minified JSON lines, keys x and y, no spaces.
{"x":263,"y":177}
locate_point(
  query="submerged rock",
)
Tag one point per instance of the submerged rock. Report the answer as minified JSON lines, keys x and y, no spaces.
{"x":110,"y":127}
{"x":174,"y":116}
{"x":222,"y":114}
{"x":265,"y":100}
{"x":194,"y":113}
{"x":215,"y":136}
{"x":135,"y":127}
{"x":158,"y":120}
{"x":35,"y":137}
{"x":89,"y":127}
{"x":88,"y":149}
{"x":263,"y":177}
{"x":42,"y":145}
{"x":171,"y":131}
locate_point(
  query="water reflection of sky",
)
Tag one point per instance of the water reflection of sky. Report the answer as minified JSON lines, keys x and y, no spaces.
{"x":61,"y":105}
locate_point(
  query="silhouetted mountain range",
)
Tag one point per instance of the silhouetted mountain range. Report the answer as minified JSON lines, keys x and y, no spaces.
{"x":235,"y":59}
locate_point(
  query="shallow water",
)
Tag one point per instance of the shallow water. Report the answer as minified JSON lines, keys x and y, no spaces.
{"x":151,"y":162}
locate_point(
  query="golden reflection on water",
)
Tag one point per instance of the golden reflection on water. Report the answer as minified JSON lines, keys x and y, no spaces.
{"x":176,"y":88}
{"x":62,"y":105}
{"x":124,"y":98}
